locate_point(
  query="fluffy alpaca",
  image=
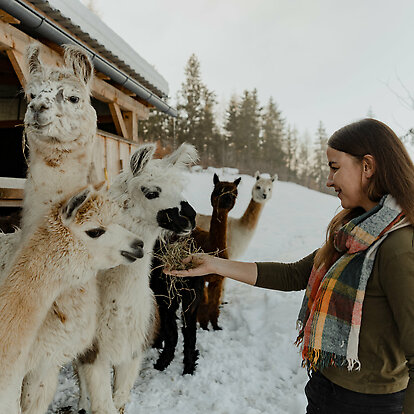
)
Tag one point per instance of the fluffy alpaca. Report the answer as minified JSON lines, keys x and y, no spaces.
{"x":60,"y":127}
{"x":223,"y":199}
{"x":241,"y":230}
{"x":76,"y":239}
{"x":150,"y":193}
{"x":188,"y":292}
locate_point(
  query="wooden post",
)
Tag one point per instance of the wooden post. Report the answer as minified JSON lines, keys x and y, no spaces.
{"x":131,"y":123}
{"x":120,"y":126}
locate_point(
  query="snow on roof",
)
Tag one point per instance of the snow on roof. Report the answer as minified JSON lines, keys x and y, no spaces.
{"x":88,"y":27}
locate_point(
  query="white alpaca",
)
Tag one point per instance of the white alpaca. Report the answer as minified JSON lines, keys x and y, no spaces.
{"x":60,"y":126}
{"x":150,"y":192}
{"x":241,"y":230}
{"x":76,"y":239}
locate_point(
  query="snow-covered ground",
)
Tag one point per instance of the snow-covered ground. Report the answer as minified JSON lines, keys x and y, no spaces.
{"x":251,"y":366}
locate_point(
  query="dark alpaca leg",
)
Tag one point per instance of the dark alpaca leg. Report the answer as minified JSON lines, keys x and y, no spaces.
{"x":190,"y":302}
{"x":215,"y":290}
{"x":169,"y":333}
{"x":202,"y":313}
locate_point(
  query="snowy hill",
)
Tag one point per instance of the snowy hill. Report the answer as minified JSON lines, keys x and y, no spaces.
{"x":252,"y":366}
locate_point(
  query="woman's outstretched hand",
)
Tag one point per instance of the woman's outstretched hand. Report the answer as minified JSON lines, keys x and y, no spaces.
{"x":205,"y":264}
{"x":201,"y":264}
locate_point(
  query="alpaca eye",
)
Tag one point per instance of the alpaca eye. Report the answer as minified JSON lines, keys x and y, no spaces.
{"x":73,"y":99}
{"x":258,"y":187}
{"x":95,"y":233}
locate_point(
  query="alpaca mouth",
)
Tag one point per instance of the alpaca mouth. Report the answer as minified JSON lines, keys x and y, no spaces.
{"x":36,"y":125}
{"x":132,"y":256}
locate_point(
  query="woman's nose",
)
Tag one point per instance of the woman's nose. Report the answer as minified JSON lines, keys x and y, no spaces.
{"x":329,"y":181}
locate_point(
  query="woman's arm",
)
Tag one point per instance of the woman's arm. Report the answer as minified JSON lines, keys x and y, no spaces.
{"x":270,"y":275}
{"x":204,"y":264}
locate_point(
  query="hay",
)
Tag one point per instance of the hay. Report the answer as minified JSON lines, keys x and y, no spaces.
{"x":171,"y":255}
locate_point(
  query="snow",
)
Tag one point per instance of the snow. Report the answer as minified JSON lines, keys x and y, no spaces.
{"x":252,"y":365}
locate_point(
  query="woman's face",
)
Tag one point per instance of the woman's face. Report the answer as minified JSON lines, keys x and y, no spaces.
{"x":349,"y":177}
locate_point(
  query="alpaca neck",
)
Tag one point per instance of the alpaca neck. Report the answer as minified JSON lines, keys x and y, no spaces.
{"x":54,"y":171}
{"x":251,"y":216}
{"x":218,"y":230}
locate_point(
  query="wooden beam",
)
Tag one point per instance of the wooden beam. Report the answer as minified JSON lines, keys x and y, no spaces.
{"x":12,"y":38}
{"x":120,"y":126}
{"x":17,"y":61}
{"x":131,"y":123}
{"x":8,"y":18}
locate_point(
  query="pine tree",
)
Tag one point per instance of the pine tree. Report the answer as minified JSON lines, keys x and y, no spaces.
{"x":305,"y":161}
{"x":159,"y":127}
{"x":248,"y":131}
{"x":290,"y":149}
{"x":273,"y":134}
{"x":231,"y":128}
{"x":320,"y":168}
{"x":196,"y":119}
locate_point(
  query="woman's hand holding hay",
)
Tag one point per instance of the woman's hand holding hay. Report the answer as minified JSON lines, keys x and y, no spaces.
{"x":204,"y":264}
{"x":194,"y":265}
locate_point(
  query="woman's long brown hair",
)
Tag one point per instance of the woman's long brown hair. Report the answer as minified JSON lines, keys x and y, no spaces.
{"x":394,"y":174}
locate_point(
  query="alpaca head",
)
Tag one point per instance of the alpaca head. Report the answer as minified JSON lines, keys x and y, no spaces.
{"x":262,"y":188}
{"x":59,"y":108}
{"x":150,"y":190}
{"x":224,"y":194}
{"x":91,"y":219}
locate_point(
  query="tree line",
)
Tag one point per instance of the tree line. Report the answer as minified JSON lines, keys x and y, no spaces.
{"x":251,"y":137}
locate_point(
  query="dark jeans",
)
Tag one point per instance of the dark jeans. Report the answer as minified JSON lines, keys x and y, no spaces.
{"x":325,"y":397}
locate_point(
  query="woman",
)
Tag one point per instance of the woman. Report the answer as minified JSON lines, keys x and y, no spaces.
{"x":357,"y":317}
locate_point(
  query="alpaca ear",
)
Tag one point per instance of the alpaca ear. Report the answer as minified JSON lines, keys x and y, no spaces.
{"x":77,"y":60}
{"x":257,"y":175}
{"x":275,"y":178}
{"x":237,"y":182}
{"x":70,"y":208}
{"x":32,"y":58}
{"x":141,"y":157}
{"x":184,"y":155}
{"x":216,"y":180}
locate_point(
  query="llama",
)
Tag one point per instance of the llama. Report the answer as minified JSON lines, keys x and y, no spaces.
{"x":188,"y":292}
{"x":60,"y":126}
{"x":223,"y":199}
{"x":150,"y":193}
{"x":241,"y":230}
{"x":76,"y":238}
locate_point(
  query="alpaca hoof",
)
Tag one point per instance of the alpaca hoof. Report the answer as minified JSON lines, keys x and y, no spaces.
{"x":189,"y":370}
{"x":190,"y":364}
{"x":217,"y":328}
{"x":204,"y":326}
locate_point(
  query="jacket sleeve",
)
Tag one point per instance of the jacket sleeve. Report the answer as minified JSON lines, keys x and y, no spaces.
{"x":285,"y":276}
{"x":397,"y":279}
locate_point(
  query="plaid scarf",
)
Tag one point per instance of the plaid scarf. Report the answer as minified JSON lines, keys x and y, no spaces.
{"x":330,"y":317}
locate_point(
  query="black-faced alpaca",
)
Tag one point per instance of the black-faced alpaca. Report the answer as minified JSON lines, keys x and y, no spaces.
{"x":186,"y":291}
{"x":223,"y":199}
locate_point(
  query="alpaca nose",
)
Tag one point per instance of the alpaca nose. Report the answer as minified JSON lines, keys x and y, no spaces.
{"x":38,"y":106}
{"x":137,"y":244}
{"x":265,"y":196}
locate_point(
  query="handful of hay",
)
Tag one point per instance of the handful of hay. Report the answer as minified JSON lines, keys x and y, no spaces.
{"x":172,"y":253}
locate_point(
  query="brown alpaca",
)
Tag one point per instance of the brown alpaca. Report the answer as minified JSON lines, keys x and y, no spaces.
{"x":223,"y":199}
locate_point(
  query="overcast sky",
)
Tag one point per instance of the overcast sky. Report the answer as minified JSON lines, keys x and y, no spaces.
{"x":328,"y":60}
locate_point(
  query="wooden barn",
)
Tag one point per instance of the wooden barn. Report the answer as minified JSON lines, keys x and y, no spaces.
{"x":125,"y":88}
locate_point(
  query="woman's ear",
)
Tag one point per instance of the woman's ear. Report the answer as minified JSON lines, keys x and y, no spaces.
{"x":368,"y":166}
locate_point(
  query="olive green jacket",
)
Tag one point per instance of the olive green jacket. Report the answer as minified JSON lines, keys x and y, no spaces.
{"x":386,"y":340}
